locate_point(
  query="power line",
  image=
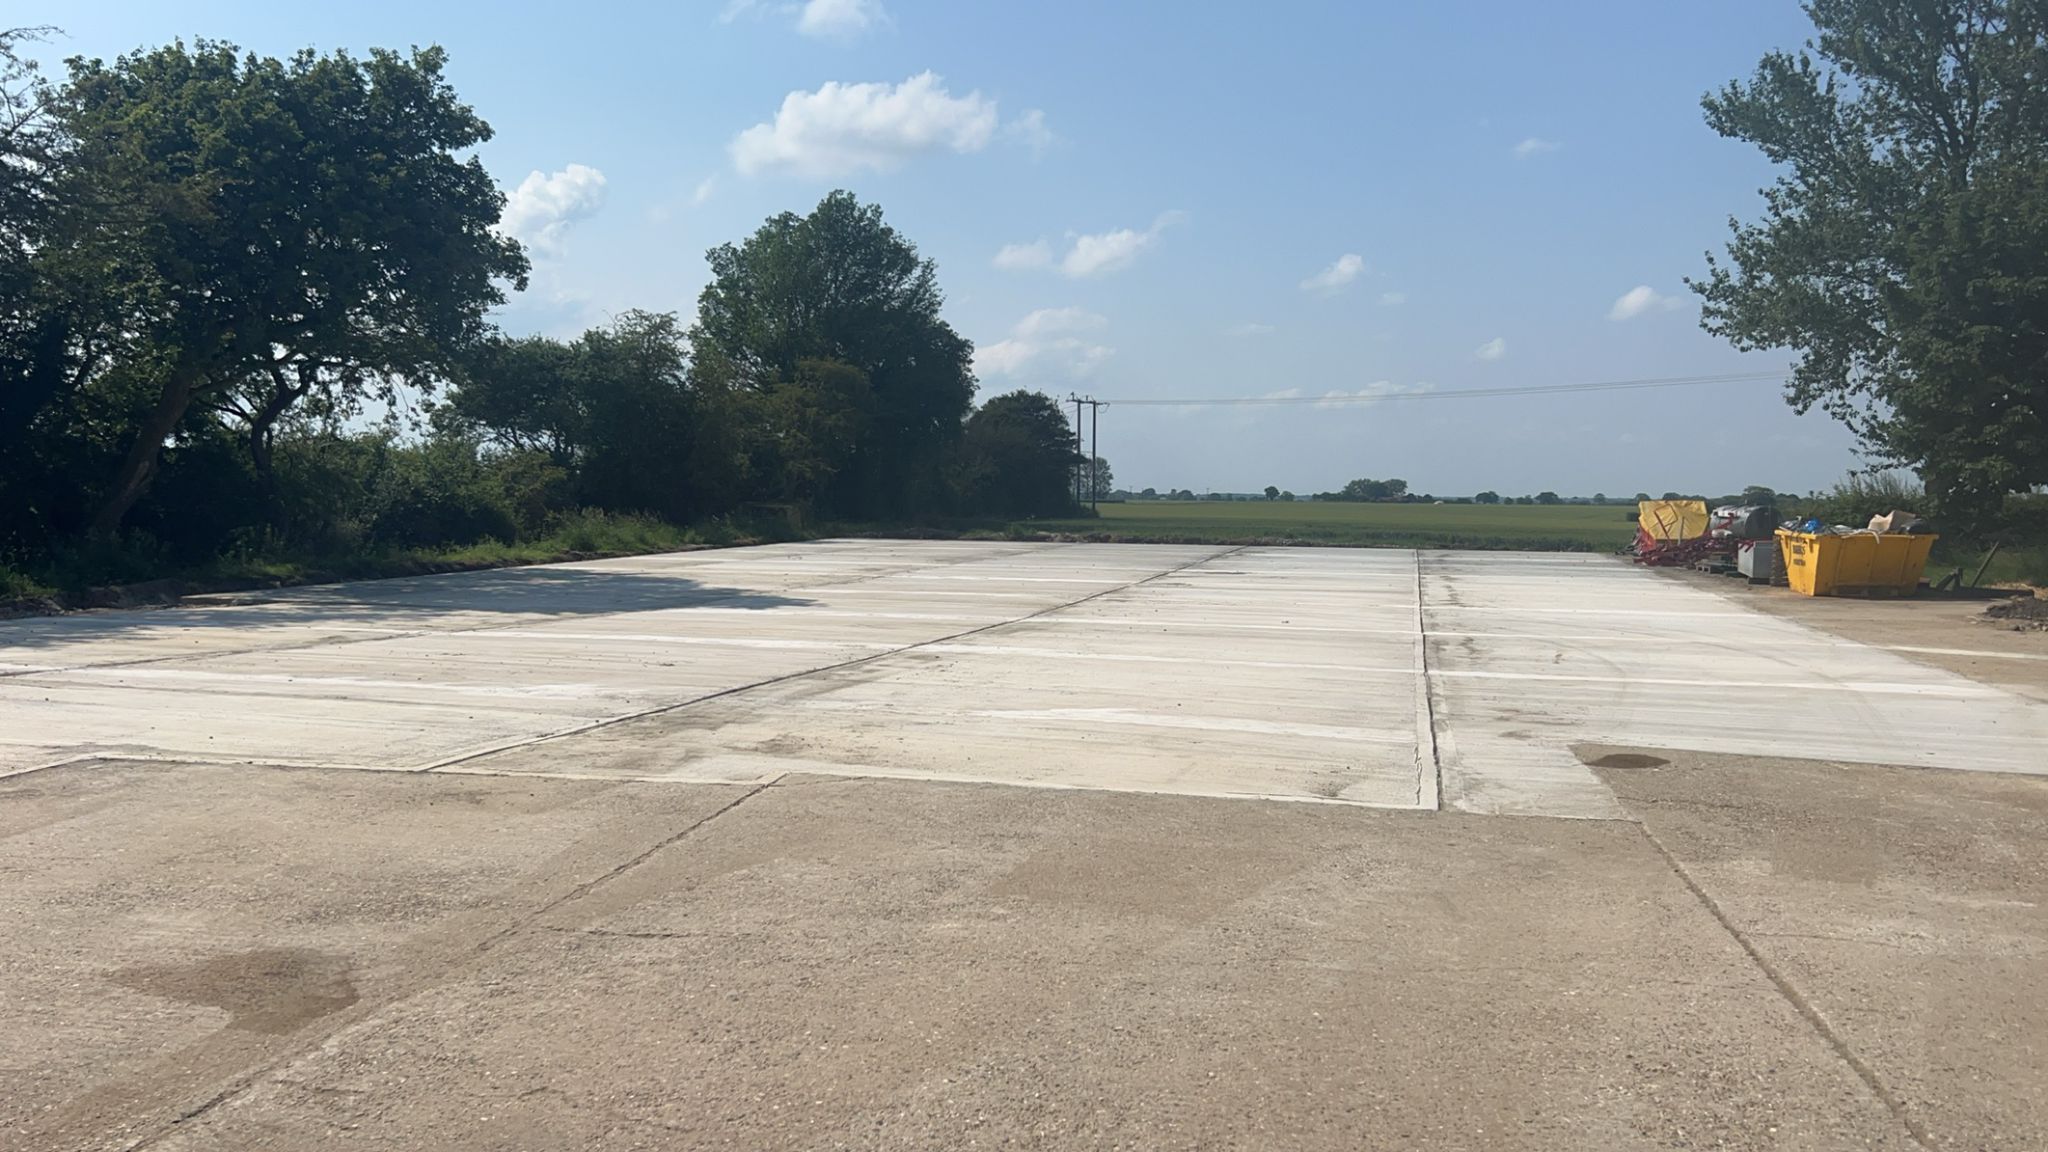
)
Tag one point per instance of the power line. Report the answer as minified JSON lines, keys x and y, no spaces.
{"x":1342,"y":398}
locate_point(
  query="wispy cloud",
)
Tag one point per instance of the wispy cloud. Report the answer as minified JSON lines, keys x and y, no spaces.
{"x":1050,"y":342}
{"x":1364,"y":397}
{"x":839,"y":18}
{"x":1494,"y":349}
{"x":1640,"y":299}
{"x":1037,"y":254}
{"x":1534,"y":146}
{"x":1089,"y":255}
{"x":1393,"y":299}
{"x":841,"y":129}
{"x":1033,"y":131}
{"x":822,"y":19}
{"x":1248,"y":330}
{"x":1337,"y":276}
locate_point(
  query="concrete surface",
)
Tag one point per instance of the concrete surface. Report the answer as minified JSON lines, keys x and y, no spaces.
{"x":1532,"y":654}
{"x":1375,"y":677}
{"x":1905,"y":911}
{"x":709,"y":851}
{"x":251,"y":958}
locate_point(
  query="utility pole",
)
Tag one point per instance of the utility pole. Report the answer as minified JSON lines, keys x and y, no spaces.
{"x":1094,"y":455}
{"x":1077,"y":446}
{"x":1095,"y":445}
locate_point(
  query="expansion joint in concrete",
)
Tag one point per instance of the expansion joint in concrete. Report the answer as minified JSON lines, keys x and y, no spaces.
{"x":251,"y":1078}
{"x":1429,"y":769}
{"x":679,"y":705}
{"x":1797,"y":999}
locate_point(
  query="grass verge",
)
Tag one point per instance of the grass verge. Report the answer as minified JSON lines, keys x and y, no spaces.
{"x":101,"y":578}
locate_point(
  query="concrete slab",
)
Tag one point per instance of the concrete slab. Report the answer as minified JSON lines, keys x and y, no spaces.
{"x":171,"y":927}
{"x":1530,"y":655}
{"x":1258,"y":672}
{"x":1907,"y":909}
{"x":253,"y":958}
{"x":1244,"y":675}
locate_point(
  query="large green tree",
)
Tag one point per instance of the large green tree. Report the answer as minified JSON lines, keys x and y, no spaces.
{"x":275,"y":228}
{"x":1018,"y":457}
{"x":1903,"y":251}
{"x":840,"y":286}
{"x":613,"y":408}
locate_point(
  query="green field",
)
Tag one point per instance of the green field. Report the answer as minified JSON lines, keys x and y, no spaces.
{"x":1534,"y":527}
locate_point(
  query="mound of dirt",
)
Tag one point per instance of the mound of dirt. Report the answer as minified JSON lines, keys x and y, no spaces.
{"x":2021,"y":614}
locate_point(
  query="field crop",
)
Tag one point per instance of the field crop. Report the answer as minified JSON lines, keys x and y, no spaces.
{"x":1530,"y":527}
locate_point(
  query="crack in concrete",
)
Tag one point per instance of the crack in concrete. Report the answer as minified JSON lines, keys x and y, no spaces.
{"x":1793,"y":996}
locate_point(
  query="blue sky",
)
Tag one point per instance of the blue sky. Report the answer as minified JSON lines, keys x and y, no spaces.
{"x":1144,"y":200}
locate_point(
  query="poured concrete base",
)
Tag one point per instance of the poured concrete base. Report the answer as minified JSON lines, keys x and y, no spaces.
{"x":1377,"y":677}
{"x":616,"y":879}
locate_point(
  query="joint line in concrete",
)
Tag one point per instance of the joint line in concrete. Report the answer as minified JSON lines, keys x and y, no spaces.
{"x":1798,"y":1001}
{"x":1429,"y":771}
{"x":664,"y":709}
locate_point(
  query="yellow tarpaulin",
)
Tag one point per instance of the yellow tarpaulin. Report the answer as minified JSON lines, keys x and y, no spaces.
{"x":1668,"y":520}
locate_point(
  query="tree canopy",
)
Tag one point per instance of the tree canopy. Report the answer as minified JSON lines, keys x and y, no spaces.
{"x":213,"y":263}
{"x":1903,"y":250}
{"x":841,"y":286}
{"x":293,"y":225}
{"x":1018,"y":456}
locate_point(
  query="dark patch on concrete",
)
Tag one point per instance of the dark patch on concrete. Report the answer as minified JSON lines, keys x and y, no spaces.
{"x":267,"y":990}
{"x":2021,"y":615}
{"x":1627,"y":760}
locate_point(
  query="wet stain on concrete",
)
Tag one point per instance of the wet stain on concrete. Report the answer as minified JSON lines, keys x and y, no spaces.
{"x":1627,"y":760}
{"x":267,"y":990}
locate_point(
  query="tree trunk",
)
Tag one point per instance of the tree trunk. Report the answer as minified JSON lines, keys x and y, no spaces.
{"x":264,"y":419}
{"x":140,"y":466}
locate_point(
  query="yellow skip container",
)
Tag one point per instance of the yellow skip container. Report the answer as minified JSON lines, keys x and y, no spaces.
{"x":1857,"y":564}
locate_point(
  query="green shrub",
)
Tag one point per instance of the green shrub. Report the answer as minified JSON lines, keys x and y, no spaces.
{"x":17,"y":585}
{"x":438,"y":493}
{"x":1859,"y":496}
{"x":594,"y":530}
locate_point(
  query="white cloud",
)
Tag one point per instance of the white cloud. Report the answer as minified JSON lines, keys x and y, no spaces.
{"x":1036,"y":254}
{"x":1099,"y":255}
{"x":1333,"y":279}
{"x":1051,"y":341}
{"x":705,"y":188}
{"x":1393,"y":299}
{"x":845,"y":128}
{"x":1494,"y":349}
{"x":538,"y":212}
{"x":1051,"y":321}
{"x":1535,"y":146}
{"x":1242,"y":331}
{"x":736,"y":9}
{"x":839,"y":17}
{"x":1640,"y":299}
{"x":1364,"y":397}
{"x":1088,"y":256}
{"x":1031,"y":128}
